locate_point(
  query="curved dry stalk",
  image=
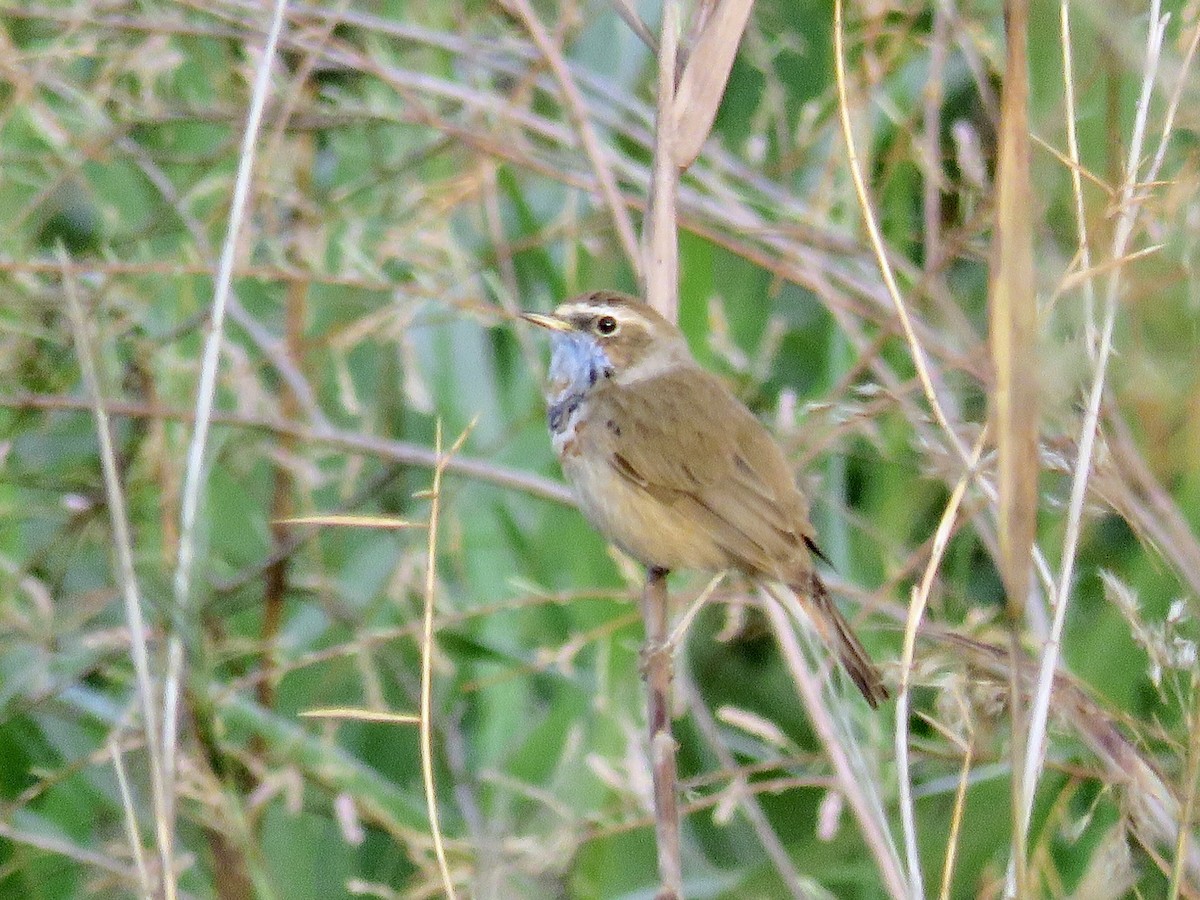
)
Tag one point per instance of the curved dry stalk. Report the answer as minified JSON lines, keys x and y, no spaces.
{"x":205,"y":395}
{"x":917,"y":352}
{"x":426,"y":714}
{"x":130,"y":592}
{"x":960,"y":804}
{"x":916,"y":609}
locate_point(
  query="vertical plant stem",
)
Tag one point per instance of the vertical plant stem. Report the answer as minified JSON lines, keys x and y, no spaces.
{"x":1129,"y":203}
{"x":426,"y":723}
{"x":1085,"y":251}
{"x":931,"y":141}
{"x":660,"y":267}
{"x":660,"y":271}
{"x":131,"y":823}
{"x":916,"y":609}
{"x":127,"y":578}
{"x":960,"y":804}
{"x":657,"y":663}
{"x":1012,"y":336}
{"x":1189,"y":793}
{"x":205,"y":394}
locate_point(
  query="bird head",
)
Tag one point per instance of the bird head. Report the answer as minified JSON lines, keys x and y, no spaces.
{"x":611,"y":335}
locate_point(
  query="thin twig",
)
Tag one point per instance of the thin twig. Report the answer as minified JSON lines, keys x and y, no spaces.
{"x":916,"y":610}
{"x":206,"y":391}
{"x":860,"y":188}
{"x":127,"y":578}
{"x":131,"y":824}
{"x":629,"y":15}
{"x":658,"y":671}
{"x":1076,"y":170}
{"x":960,"y":804}
{"x":426,"y":714}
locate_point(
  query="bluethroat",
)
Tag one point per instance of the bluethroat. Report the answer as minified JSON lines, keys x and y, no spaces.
{"x":672,"y":468}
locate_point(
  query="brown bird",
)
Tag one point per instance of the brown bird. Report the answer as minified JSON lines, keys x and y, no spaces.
{"x":675,"y":470}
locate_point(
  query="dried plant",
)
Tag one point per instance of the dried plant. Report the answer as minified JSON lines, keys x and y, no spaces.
{"x":257,"y":258}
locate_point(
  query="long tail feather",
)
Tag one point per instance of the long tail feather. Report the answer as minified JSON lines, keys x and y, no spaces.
{"x":835,"y":631}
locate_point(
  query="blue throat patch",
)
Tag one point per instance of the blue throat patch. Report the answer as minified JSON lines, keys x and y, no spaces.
{"x":576,"y":364}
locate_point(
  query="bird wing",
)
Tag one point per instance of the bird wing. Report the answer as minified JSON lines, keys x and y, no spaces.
{"x":685,"y":439}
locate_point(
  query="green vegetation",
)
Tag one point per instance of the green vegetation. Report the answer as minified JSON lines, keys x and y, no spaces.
{"x":419,"y":178}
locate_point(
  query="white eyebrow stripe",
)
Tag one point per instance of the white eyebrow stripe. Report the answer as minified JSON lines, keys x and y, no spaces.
{"x":586,"y":309}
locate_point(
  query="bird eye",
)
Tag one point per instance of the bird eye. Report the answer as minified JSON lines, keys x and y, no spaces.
{"x":606,"y":325}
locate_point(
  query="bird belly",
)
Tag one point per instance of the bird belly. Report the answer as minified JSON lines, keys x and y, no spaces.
{"x":652,"y":532}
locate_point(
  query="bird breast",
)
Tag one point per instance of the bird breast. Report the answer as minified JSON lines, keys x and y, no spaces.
{"x":631,"y":518}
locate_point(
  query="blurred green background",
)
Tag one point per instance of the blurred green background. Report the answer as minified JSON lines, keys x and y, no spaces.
{"x":420,"y":178}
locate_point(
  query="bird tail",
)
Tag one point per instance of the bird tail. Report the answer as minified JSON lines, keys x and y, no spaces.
{"x":835,"y":631}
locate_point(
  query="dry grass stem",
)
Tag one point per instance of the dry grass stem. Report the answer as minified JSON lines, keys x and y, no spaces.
{"x":1127,"y":213}
{"x":960,"y":803}
{"x":1192,"y":776}
{"x":426,"y":716}
{"x":194,"y":474}
{"x":679,"y":632}
{"x":658,"y":664}
{"x":858,"y":785}
{"x":629,"y":15}
{"x":916,"y":610}
{"x":1013,"y":339}
{"x":127,"y":580}
{"x":1075,"y":167}
{"x":383,"y":523}
{"x":362,"y":715}
{"x":577,"y":106}
{"x":132,"y":832}
{"x":919,"y":358}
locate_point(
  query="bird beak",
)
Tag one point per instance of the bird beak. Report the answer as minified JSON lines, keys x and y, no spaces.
{"x":553,"y":323}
